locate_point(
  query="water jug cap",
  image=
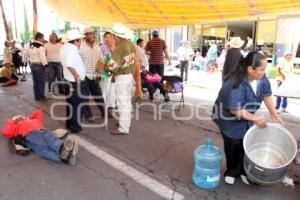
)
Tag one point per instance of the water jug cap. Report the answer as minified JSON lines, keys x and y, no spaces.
{"x":209,"y":142}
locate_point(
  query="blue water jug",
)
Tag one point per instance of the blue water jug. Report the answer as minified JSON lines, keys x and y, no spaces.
{"x":207,"y":167}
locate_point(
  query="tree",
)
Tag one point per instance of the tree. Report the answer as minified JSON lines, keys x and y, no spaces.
{"x":67,"y":26}
{"x":35,"y":17}
{"x":97,"y":33}
{"x":26,"y":35}
{"x":8,"y":34}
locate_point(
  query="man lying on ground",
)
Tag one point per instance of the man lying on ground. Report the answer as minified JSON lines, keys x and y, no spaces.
{"x":41,"y":141}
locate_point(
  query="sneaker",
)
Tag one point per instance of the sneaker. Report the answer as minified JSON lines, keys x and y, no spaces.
{"x":229,"y":180}
{"x":278,"y":111}
{"x":245,"y":179}
{"x":73,"y":154}
{"x":23,"y":78}
{"x":67,"y":148}
{"x":284,"y":110}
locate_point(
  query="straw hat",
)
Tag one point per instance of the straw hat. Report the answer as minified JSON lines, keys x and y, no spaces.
{"x":120,"y":30}
{"x":73,"y":35}
{"x":236,"y":42}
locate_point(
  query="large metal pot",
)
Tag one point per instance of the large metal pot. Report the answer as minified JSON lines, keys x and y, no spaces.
{"x":268,"y":152}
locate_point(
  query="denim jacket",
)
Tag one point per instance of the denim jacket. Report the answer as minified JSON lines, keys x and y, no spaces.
{"x":242,"y":97}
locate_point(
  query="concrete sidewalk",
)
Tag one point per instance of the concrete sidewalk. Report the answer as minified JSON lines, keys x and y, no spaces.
{"x":162,"y":149}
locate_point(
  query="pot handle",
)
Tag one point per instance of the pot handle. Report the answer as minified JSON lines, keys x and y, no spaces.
{"x":259,"y":169}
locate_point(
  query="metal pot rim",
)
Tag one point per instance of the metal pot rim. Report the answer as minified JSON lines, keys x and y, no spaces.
{"x":277,"y":126}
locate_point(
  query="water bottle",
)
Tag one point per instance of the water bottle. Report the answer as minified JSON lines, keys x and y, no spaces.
{"x":207,"y":167}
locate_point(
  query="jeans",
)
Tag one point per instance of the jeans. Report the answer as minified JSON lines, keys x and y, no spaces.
{"x":234,"y":153}
{"x":55,"y":71}
{"x":92,"y":87}
{"x":45,"y":144}
{"x":184,"y":68}
{"x":278,"y":99}
{"x":284,"y":102}
{"x":39,"y":81}
{"x":157,"y":68}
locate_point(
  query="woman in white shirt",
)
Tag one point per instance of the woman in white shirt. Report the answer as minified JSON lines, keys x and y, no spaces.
{"x":38,"y":62}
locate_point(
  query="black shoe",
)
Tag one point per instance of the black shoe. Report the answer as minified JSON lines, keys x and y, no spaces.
{"x":76,"y":130}
{"x":167,"y":99}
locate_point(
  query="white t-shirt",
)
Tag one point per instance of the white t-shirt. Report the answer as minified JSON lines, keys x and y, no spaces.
{"x":70,"y":57}
{"x":184,"y":53}
{"x":143,"y":56}
{"x":254,"y":84}
{"x":286,"y":66}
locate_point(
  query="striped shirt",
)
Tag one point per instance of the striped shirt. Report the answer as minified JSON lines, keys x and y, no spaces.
{"x":156,"y":47}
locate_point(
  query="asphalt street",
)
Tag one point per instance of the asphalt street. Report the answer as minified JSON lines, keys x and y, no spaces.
{"x":155,"y":161}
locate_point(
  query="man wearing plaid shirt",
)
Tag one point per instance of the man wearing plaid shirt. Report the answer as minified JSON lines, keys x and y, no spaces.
{"x":90,"y":53}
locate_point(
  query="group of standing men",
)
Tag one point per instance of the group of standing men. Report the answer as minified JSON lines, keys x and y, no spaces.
{"x":75,"y":61}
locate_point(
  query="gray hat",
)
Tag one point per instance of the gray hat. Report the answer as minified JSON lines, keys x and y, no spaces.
{"x":155,"y":33}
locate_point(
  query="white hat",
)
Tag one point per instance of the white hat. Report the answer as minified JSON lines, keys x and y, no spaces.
{"x":88,"y":30}
{"x":130,"y":34}
{"x":236,"y":42}
{"x":120,"y":30}
{"x":73,"y":35}
{"x":288,"y":53}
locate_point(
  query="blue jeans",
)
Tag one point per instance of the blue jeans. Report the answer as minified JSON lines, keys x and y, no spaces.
{"x":278,"y":99}
{"x":55,"y":72}
{"x":39,"y":81}
{"x":284,"y":102}
{"x":184,"y":68}
{"x":45,"y":144}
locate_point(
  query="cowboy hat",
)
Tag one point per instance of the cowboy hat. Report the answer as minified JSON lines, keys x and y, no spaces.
{"x":130,"y":34}
{"x":73,"y":35}
{"x":88,"y":30}
{"x":236,"y":42}
{"x":120,"y":30}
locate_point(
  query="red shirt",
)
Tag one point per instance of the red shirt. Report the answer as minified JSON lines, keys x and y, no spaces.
{"x":33,"y":122}
{"x":156,"y":46}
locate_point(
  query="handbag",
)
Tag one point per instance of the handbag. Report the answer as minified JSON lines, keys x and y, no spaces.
{"x":152,"y":78}
{"x":178,"y":87}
